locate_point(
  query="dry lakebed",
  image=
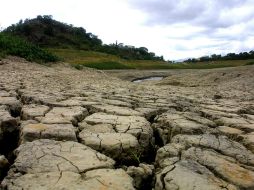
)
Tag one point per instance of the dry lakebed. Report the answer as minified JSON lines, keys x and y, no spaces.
{"x":68,"y":129}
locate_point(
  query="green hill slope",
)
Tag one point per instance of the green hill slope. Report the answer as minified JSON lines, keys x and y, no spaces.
{"x":49,"y":33}
{"x":44,"y":39}
{"x":80,"y":58}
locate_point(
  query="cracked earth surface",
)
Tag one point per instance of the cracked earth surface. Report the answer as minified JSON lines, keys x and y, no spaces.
{"x":61,"y":128}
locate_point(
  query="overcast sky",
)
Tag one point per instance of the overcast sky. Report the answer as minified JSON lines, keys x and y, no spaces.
{"x":176,"y":29}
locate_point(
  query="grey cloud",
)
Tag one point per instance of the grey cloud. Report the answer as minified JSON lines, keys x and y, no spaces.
{"x":189,"y":46}
{"x":219,"y":21}
{"x":169,"y":12}
{"x":207,"y":13}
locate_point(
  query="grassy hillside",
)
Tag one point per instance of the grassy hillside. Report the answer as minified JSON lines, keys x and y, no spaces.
{"x":79,"y":58}
{"x":46,"y":32}
{"x":76,"y":46}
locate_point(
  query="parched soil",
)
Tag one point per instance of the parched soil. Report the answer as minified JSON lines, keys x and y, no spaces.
{"x":61,"y":128}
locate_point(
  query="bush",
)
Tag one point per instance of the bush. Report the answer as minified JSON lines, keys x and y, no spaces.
{"x":11,"y":45}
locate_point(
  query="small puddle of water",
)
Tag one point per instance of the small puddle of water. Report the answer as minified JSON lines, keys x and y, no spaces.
{"x":148,"y":79}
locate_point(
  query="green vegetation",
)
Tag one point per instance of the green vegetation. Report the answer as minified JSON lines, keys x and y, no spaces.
{"x":104,"y":61}
{"x":10,"y":45}
{"x":80,"y":58}
{"x":105,"y":66}
{"x":48,"y":33}
{"x":229,"y":56}
{"x":211,"y":64}
{"x":83,"y":57}
{"x":74,"y":45}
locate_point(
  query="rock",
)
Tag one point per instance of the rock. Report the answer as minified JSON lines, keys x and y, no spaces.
{"x":223,"y":107}
{"x":217,"y":96}
{"x":9,"y":101}
{"x":227,"y":168}
{"x":238,"y":123}
{"x":76,"y":101}
{"x":65,"y":115}
{"x":170,"y":124}
{"x":60,"y":132}
{"x":115,"y":110}
{"x":8,"y":131}
{"x":120,"y":137}
{"x":4,"y":94}
{"x":12,"y":103}
{"x":107,"y":179}
{"x":229,"y":131}
{"x":8,"y":124}
{"x":135,"y":125}
{"x":199,"y":119}
{"x":111,"y":179}
{"x":149,"y":113}
{"x":215,"y":114}
{"x":229,"y":162}
{"x":247,"y":110}
{"x":141,"y":175}
{"x":117,"y":103}
{"x":119,"y":146}
{"x":248,"y":141}
{"x":103,"y":138}
{"x":42,"y":156}
{"x":4,"y":165}
{"x":99,"y":128}
{"x":221,"y":144}
{"x":32,"y":111}
{"x":249,"y":117}
{"x":29,"y":96}
{"x":2,"y":62}
{"x":189,"y":175}
{"x":169,"y":154}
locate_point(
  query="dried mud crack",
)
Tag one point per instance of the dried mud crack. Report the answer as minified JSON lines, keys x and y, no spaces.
{"x":61,"y":128}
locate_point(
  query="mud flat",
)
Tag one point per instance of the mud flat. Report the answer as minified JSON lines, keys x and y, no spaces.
{"x":62,"y":128}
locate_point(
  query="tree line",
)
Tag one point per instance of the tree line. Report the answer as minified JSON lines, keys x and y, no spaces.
{"x":229,"y":56}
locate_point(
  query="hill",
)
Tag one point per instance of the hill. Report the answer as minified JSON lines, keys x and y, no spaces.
{"x":46,"y":32}
{"x":44,"y":39}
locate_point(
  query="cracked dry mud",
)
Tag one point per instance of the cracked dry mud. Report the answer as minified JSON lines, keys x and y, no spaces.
{"x":61,"y":128}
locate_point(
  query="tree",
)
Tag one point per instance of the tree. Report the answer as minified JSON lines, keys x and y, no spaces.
{"x":204,"y":58}
{"x":215,"y":57}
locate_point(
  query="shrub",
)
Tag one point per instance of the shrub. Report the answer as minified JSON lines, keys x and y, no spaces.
{"x":11,"y":45}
